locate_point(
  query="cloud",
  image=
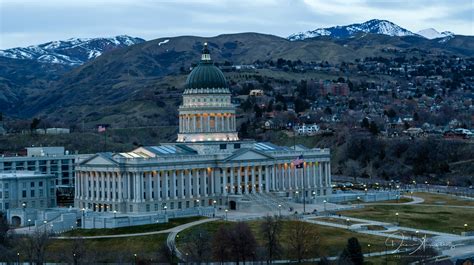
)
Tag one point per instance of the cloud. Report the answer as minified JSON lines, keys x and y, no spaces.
{"x":27,"y":22}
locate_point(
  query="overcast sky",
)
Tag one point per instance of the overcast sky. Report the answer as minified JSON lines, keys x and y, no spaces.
{"x":28,"y":22}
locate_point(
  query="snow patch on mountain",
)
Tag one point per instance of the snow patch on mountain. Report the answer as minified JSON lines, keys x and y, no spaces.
{"x":432,"y":33}
{"x":373,"y":26}
{"x":73,"y":51}
{"x":163,"y":42}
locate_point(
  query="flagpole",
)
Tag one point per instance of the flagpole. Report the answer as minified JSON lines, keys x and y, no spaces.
{"x":304,"y":192}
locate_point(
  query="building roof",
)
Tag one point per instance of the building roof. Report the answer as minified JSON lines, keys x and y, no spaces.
{"x":206,"y":74}
{"x":24,"y":174}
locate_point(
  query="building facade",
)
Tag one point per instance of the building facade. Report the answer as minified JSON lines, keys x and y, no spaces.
{"x":46,"y":160}
{"x":207,"y":165}
{"x":27,"y":189}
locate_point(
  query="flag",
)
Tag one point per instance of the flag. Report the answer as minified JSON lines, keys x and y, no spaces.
{"x":101,"y":128}
{"x":298,"y":162}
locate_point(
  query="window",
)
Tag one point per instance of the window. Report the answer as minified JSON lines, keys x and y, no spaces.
{"x":32,"y":193}
{"x":1,"y":194}
{"x":32,"y":184}
{"x":24,"y":185}
{"x":223,"y":146}
{"x":7,"y":196}
{"x":23,"y":194}
{"x":6,"y":186}
{"x":236,"y":146}
{"x":40,"y":183}
{"x":7,"y":206}
{"x":41,"y":192}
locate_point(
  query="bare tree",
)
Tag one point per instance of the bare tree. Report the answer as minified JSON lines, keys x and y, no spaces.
{"x":271,"y":228}
{"x":302,"y":240}
{"x":35,"y":246}
{"x":167,"y":255}
{"x":243,"y":243}
{"x":198,"y":246}
{"x":221,"y":249}
{"x":352,"y":169}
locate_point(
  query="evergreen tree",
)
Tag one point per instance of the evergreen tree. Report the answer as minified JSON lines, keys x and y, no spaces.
{"x":352,"y":254}
{"x":373,"y":128}
{"x":365,"y":123}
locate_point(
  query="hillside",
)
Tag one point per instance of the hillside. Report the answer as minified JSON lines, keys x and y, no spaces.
{"x":141,"y":84}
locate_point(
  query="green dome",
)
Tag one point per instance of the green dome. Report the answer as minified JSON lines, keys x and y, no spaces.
{"x":206,"y":74}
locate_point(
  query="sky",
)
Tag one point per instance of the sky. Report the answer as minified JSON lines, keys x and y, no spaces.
{"x":30,"y":22}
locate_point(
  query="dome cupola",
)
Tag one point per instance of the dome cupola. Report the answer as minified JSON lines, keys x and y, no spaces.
{"x":206,"y":75}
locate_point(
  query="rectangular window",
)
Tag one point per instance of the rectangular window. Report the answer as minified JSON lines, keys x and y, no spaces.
{"x":7,"y":196}
{"x":32,"y":193}
{"x":24,"y":185}
{"x":40,"y":183}
{"x":7,"y":206}
{"x":41,"y":192}
{"x":236,"y":146}
{"x":223,"y":146}
{"x":23,"y":194}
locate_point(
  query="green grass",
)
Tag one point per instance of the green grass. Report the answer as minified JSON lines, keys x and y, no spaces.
{"x":132,"y":229}
{"x":114,"y":250}
{"x":332,"y":240}
{"x":443,"y":199}
{"x":435,"y":218}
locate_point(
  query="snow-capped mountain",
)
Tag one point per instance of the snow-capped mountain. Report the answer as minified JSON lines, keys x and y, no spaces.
{"x":73,"y":51}
{"x":374,"y":26}
{"x":432,"y":33}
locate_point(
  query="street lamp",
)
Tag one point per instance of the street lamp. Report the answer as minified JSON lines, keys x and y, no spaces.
{"x":135,"y":257}
{"x":18,"y":258}
{"x":165,"y":207}
{"x":347,"y":222}
{"x":29,"y":224}
{"x":83,"y":221}
{"x":279,"y":210}
{"x":368,"y":245}
{"x":396,"y":214}
{"x":115,"y":214}
{"x":324,"y":205}
{"x":358,"y":200}
{"x":226,"y":210}
{"x":465,"y":227}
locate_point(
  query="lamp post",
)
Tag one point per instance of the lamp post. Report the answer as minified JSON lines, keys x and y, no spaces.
{"x":358,"y":200}
{"x":396,"y":214}
{"x":165,"y":207}
{"x":465,"y":228}
{"x":368,"y":245}
{"x":115,"y":214}
{"x":83,"y":221}
{"x":18,"y":258}
{"x":279,"y":210}
{"x":347,"y":222}
{"x":135,"y":258}
{"x":226,"y":210}
{"x":324,"y":205}
{"x":44,"y":225}
{"x":29,"y":224}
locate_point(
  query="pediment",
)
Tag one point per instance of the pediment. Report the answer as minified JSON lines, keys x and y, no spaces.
{"x":248,"y":155}
{"x":99,"y":160}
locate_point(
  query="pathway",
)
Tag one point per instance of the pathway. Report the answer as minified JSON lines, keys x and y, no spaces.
{"x":166,"y":231}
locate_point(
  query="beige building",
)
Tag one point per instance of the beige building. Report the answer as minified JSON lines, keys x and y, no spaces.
{"x":207,"y":165}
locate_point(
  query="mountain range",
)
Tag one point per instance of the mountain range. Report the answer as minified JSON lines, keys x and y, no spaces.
{"x":374,"y":26}
{"x":74,"y":51}
{"x":141,"y":83}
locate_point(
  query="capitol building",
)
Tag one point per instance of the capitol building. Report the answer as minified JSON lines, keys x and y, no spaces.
{"x":208,"y":165}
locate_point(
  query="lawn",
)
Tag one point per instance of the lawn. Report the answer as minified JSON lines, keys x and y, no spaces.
{"x":332,"y":240}
{"x":132,"y":229}
{"x":435,"y":218}
{"x":443,"y":199}
{"x":113,"y":250}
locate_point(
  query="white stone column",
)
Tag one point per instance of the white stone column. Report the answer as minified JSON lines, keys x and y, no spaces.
{"x":222,"y":120}
{"x":329,"y":174}
{"x":205,"y":177}
{"x":119,"y":183}
{"x":201,"y":123}
{"x":166,"y":188}
{"x":239,"y":178}
{"x":181,"y":184}
{"x":212,"y":185}
{"x":208,"y":123}
{"x":149,"y":192}
{"x":246,"y":179}
{"x":223,"y":185}
{"x":196,"y":184}
{"x":194,"y":123}
{"x":188,"y":184}
{"x":232,"y":180}
{"x":273,"y":177}
{"x":320,"y":177}
{"x":253,"y":180}
{"x":173,"y":186}
{"x":229,"y":126}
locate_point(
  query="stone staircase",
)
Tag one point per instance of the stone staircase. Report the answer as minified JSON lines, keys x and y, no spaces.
{"x":267,"y":201}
